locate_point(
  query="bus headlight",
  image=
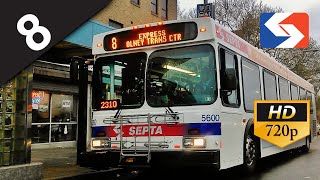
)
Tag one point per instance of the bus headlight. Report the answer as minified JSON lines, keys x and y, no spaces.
{"x":101,"y":143}
{"x":198,"y":142}
{"x":194,"y":142}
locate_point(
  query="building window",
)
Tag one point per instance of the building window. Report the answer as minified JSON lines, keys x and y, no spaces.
{"x":136,"y":2}
{"x":164,"y":13}
{"x":115,"y":24}
{"x":154,"y":6}
{"x":53,"y":117}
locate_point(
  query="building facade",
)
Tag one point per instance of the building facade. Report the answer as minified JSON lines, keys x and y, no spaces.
{"x":125,"y":13}
{"x":16,"y":119}
{"x":54,"y":98}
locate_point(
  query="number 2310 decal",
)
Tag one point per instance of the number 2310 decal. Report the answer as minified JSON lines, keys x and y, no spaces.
{"x":110,"y":104}
{"x":210,"y":117}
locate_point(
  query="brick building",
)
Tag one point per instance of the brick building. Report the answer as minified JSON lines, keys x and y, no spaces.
{"x":124,"y":13}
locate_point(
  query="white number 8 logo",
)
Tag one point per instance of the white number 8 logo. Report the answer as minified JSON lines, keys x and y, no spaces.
{"x":31,"y":32}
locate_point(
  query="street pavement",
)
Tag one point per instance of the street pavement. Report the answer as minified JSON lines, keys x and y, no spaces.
{"x":289,"y":165}
{"x":58,"y":162}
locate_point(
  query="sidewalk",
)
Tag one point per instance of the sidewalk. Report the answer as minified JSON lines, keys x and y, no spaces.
{"x":59,"y":162}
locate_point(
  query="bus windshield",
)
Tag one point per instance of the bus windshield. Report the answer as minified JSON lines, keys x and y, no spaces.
{"x":175,"y":77}
{"x":120,"y":77}
{"x":181,"y":76}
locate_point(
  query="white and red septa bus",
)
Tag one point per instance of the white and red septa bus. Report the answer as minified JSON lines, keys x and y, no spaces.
{"x":181,"y":92}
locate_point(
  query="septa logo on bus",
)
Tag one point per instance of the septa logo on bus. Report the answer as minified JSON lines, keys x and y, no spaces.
{"x":159,"y":130}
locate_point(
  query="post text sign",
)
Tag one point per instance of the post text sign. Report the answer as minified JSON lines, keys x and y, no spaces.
{"x":281,"y":122}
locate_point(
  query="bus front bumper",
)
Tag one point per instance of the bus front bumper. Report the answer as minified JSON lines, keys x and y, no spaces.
{"x":208,"y":158}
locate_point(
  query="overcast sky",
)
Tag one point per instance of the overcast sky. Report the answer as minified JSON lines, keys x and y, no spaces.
{"x":312,"y":7}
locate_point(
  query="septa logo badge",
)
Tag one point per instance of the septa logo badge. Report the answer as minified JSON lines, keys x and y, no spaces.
{"x":284,"y":30}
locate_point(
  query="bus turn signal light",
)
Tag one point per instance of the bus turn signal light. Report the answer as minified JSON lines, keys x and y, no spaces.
{"x":203,"y":29}
{"x":101,"y":134}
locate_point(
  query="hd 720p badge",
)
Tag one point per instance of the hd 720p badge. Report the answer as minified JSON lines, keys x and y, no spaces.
{"x":282,"y":122}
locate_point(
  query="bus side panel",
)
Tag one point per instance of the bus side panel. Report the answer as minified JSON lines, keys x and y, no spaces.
{"x":313,"y":119}
{"x":268,"y":149}
{"x":232,"y":132}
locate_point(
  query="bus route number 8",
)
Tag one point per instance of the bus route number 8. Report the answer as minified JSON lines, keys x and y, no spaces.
{"x":29,"y":33}
{"x":114,"y":43}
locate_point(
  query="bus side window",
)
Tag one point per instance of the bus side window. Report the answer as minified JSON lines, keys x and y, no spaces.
{"x":284,"y":89}
{"x":294,"y":92}
{"x":270,"y":86}
{"x":227,"y":61}
{"x":302,"y":94}
{"x":309,"y":97}
{"x":251,"y":83}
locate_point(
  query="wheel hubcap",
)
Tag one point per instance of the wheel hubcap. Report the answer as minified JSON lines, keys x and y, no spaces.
{"x":250,"y":151}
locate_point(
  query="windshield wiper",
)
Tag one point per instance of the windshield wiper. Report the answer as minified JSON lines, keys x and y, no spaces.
{"x":173,"y":114}
{"x":169,"y":109}
{"x":118,"y":113}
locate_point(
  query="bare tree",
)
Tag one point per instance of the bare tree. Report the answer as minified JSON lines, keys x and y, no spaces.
{"x":180,"y":11}
{"x":186,"y":13}
{"x":243,"y":18}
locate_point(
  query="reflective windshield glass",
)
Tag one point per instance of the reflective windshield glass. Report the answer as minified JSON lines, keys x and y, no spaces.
{"x":120,"y":77}
{"x":181,"y":76}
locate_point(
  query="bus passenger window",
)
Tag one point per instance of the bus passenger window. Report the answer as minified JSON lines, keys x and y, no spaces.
{"x":294,"y":92}
{"x":251,"y":84}
{"x":270,"y":86}
{"x":228,"y":60}
{"x":309,"y":97}
{"x":284,"y":89}
{"x":302,"y":94}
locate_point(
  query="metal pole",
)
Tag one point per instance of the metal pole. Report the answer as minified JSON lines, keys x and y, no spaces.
{"x":214,"y":9}
{"x":205,"y":1}
{"x":82,"y":111}
{"x":112,"y":81}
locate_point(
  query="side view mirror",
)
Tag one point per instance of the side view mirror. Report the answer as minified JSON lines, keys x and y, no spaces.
{"x":74,"y":71}
{"x":229,"y":80}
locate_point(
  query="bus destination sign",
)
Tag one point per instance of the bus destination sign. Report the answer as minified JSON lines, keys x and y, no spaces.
{"x":148,"y":36}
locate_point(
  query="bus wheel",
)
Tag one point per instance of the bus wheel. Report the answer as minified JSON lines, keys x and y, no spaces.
{"x":306,"y":147}
{"x":251,"y":153}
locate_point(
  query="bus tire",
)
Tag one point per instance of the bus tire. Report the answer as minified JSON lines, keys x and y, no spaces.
{"x":251,"y":153}
{"x":306,"y":147}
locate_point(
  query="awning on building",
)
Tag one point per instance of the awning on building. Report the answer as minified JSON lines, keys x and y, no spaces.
{"x":76,"y":44}
{"x":84,"y":34}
